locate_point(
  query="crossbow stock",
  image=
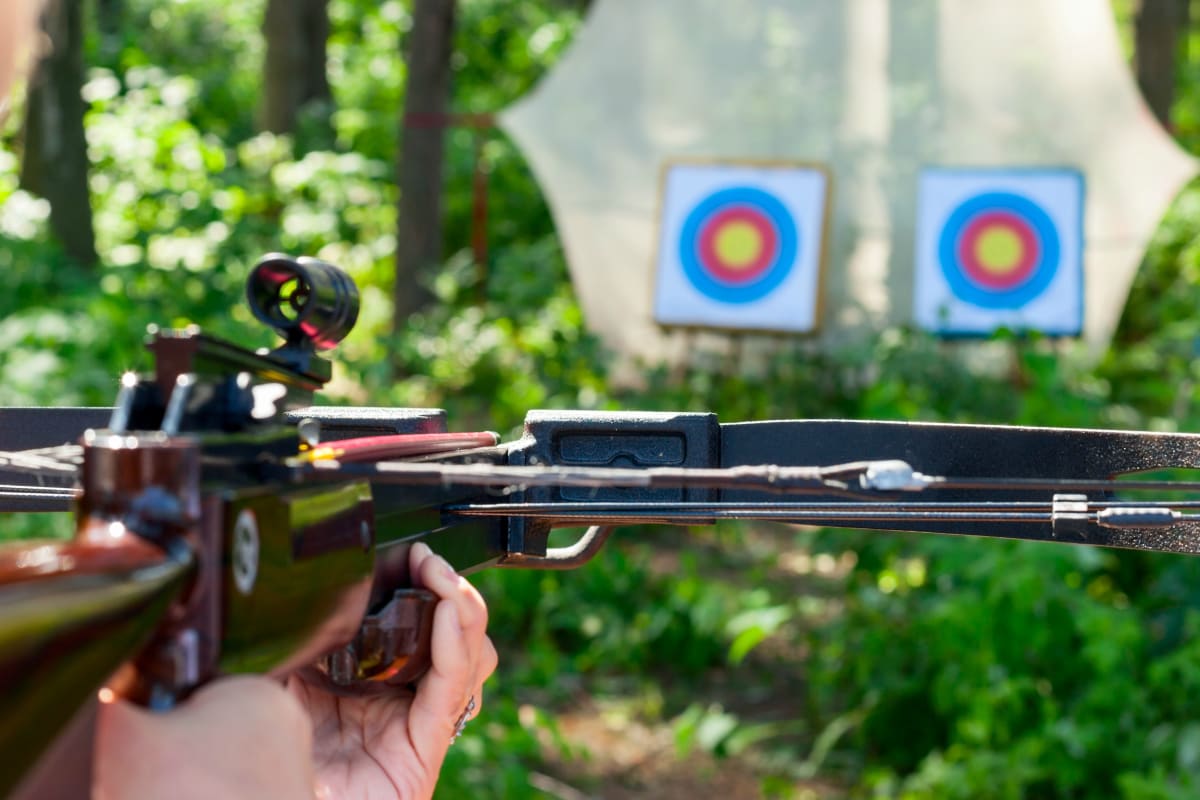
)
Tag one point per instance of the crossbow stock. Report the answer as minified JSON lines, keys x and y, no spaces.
{"x":224,"y":524}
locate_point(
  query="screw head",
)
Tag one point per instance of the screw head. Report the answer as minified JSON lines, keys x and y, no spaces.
{"x":245,"y":551}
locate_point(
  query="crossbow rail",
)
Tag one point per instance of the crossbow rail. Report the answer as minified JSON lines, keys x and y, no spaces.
{"x":1072,"y":486}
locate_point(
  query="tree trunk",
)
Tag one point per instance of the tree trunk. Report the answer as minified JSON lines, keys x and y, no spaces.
{"x":1157,"y":27}
{"x":108,"y":16}
{"x":422,"y":145}
{"x":55,"y":162}
{"x":294,"y":73}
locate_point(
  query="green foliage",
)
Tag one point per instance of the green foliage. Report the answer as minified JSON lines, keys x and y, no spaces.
{"x":885,"y":665}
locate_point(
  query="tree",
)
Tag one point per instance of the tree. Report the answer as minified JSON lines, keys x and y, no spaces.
{"x":109,"y":14}
{"x":55,"y":161}
{"x":296,"y":33}
{"x":422,"y":146}
{"x":1157,"y":27}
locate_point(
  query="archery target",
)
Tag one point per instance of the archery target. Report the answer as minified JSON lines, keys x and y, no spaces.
{"x":740,"y":246}
{"x":1000,"y":248}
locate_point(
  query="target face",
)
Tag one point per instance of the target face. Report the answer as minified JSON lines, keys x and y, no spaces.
{"x":740,"y":246}
{"x":1000,"y":249}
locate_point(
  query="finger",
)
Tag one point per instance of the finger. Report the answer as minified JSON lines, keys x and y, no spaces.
{"x":458,"y":644}
{"x":488,"y":660}
{"x":471,"y":613}
{"x":439,"y":577}
{"x":418,"y":554}
{"x":442,"y":694}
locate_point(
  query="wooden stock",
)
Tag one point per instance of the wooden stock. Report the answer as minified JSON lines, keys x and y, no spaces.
{"x":70,"y":614}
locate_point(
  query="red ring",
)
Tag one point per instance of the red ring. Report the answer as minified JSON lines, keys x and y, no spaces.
{"x":976,"y":273}
{"x":756,"y":268}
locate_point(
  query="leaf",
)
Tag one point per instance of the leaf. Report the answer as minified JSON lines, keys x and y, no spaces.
{"x":750,"y":628}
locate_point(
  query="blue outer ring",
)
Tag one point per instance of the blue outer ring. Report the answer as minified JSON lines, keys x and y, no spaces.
{"x":985,"y":297}
{"x":785,"y":257}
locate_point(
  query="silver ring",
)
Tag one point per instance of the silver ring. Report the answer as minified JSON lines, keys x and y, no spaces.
{"x":463,"y":718}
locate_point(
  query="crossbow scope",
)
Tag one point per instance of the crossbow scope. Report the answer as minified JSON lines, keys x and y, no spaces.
{"x":306,"y":300}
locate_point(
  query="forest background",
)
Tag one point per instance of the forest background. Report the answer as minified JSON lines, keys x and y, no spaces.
{"x":736,"y":661}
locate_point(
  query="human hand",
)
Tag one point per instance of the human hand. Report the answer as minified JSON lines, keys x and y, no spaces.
{"x":248,"y":737}
{"x":392,"y":746}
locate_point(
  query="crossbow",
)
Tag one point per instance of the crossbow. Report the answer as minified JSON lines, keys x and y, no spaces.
{"x":225,"y":524}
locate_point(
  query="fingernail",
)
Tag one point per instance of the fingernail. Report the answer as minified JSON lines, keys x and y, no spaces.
{"x":448,"y":570}
{"x":422,"y":551}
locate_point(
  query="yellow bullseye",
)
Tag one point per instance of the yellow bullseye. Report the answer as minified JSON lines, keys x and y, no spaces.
{"x":737,"y":245}
{"x":998,"y":250}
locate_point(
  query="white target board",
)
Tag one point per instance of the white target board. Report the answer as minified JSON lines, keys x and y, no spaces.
{"x":1000,"y":248}
{"x":741,"y":246}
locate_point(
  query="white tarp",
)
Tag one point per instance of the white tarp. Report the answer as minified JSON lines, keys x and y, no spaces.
{"x":873,"y":89}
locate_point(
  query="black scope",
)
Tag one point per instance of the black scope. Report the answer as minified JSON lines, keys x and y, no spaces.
{"x":304,"y":299}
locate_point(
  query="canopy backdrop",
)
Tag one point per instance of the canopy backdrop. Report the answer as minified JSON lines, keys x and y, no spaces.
{"x":873,"y":90}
